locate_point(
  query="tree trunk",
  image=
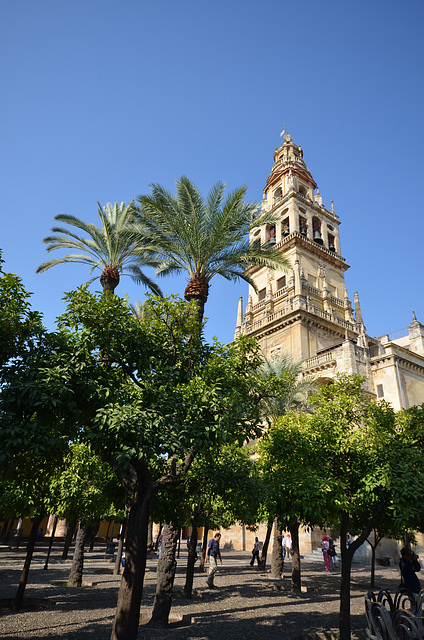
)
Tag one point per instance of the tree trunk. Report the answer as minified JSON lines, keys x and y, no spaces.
{"x":127,"y":617}
{"x":46,"y":564}
{"x":264,"y":552}
{"x":165,"y":577}
{"x":109,"y":278}
{"x":179,"y":544}
{"x":158,"y":536}
{"x":296,"y":577}
{"x":24,"y":576}
{"x":188,"y":587}
{"x":3,"y":531}
{"x":372,"y":580}
{"x":277,"y":562}
{"x":9,"y":531}
{"x":150,"y":536}
{"x":18,"y":541}
{"x":197,"y":289}
{"x":69,"y":534}
{"x":377,"y":540}
{"x":347,"y":555}
{"x":92,"y":536}
{"x":204,"y":545}
{"x":117,"y":567}
{"x":75,"y":576}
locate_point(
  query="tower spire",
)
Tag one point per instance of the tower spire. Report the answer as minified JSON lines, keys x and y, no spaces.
{"x":239,"y":323}
{"x":358,"y":312}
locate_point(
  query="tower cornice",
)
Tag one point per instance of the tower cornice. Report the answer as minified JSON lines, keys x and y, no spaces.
{"x":299,"y":169}
{"x":296,"y":239}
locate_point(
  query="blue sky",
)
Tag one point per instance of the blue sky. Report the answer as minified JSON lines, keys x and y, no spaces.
{"x":100,"y":99}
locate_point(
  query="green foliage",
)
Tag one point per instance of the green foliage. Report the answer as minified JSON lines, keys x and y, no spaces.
{"x":352,"y":456}
{"x":85,"y":488}
{"x":284,"y":392}
{"x":222,"y":486}
{"x":202,"y":236}
{"x":170,"y":395}
{"x":20,"y":327}
{"x":104,"y":247}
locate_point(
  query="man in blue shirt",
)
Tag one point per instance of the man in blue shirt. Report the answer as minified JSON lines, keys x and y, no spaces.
{"x":213,"y":554}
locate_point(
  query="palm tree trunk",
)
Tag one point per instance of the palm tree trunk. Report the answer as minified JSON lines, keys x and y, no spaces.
{"x":277,"y":561}
{"x":165,"y":576}
{"x":197,"y":290}
{"x":109,"y":279}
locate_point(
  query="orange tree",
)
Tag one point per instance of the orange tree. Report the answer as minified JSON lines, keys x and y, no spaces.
{"x":38,"y":414}
{"x":171,"y":398}
{"x":353,"y":463}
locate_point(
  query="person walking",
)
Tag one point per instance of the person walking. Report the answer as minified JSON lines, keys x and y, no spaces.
{"x":333,"y":554}
{"x":325,"y":544}
{"x":283,"y":544}
{"x":255,"y":553}
{"x":212,"y":555}
{"x":289,"y":546}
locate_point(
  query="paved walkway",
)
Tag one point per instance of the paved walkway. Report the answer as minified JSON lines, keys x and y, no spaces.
{"x":248,"y":604}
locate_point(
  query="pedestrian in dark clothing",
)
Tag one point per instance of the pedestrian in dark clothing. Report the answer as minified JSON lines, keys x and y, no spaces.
{"x":255,"y":553}
{"x":213,"y":555}
{"x":409,"y":566}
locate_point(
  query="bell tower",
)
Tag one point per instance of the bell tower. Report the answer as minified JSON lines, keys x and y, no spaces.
{"x":306,"y":313}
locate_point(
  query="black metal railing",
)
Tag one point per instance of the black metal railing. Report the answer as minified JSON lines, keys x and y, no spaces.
{"x":397,"y":617}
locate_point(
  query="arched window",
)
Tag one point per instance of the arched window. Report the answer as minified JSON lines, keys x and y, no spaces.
{"x":271,"y":234}
{"x":303,"y":225}
{"x":316,"y":230}
{"x":255,"y":239}
{"x":278,"y":194}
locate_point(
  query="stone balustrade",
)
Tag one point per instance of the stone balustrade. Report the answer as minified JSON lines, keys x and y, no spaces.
{"x":288,"y":308}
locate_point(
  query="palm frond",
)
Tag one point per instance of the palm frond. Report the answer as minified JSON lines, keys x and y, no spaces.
{"x":107,"y":245}
{"x":296,"y":396}
{"x":69,"y":258}
{"x":206,"y":237}
{"x":141,"y":278}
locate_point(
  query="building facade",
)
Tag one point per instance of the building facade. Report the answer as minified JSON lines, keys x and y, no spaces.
{"x":307,"y":313}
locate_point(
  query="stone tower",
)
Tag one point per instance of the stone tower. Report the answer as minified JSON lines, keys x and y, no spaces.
{"x":307,"y":312}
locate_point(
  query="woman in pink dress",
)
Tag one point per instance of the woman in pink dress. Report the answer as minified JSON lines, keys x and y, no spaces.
{"x":325,"y":544}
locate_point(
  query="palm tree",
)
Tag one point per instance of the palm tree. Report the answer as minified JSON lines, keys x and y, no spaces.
{"x":107,"y":248}
{"x":137,"y":310}
{"x":296,"y":397}
{"x":203,"y":237}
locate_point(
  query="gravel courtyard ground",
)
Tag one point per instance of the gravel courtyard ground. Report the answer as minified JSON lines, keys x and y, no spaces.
{"x":248,"y":604}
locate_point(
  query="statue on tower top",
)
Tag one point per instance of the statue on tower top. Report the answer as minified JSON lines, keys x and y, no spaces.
{"x":286,"y":136}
